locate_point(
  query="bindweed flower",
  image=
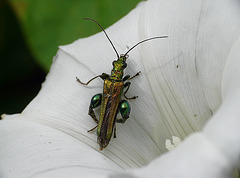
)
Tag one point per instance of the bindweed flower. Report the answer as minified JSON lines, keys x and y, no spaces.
{"x":189,"y":88}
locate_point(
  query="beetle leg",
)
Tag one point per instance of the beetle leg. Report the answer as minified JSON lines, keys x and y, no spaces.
{"x":95,"y":102}
{"x":103,"y":76}
{"x":121,"y":120}
{"x":114,"y":136}
{"x":92,"y":114}
{"x":135,"y":75}
{"x":92,"y":129}
{"x":127,"y":84}
{"x":127,"y":77}
{"x":124,"y":108}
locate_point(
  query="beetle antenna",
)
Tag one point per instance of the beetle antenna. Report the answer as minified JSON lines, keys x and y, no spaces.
{"x":143,"y":42}
{"x":105,"y":34}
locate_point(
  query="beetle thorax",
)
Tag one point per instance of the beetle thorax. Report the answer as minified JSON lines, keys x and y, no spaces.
{"x":118,"y":67}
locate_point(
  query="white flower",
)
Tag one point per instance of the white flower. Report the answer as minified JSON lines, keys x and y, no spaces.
{"x":189,"y":78}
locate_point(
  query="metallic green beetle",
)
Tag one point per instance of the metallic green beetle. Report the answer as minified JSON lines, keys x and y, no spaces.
{"x":110,"y":98}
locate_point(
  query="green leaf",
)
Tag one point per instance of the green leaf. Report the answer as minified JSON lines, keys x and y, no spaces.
{"x":49,"y":23}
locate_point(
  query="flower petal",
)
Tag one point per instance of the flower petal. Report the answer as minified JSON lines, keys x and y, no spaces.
{"x":195,"y":157}
{"x":179,"y":90}
{"x":223,"y":128}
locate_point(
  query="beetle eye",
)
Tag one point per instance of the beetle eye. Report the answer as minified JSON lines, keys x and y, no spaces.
{"x":124,"y":65}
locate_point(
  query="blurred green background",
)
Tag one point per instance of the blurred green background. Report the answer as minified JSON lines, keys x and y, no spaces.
{"x":30,"y":33}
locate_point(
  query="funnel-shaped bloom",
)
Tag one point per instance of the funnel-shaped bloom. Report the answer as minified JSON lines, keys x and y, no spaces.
{"x":187,"y":79}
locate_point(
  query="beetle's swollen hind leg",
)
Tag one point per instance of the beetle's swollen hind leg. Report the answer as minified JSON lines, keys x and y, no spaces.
{"x":121,"y":120}
{"x":124,"y":108}
{"x":92,"y":114}
{"x":95,"y":102}
{"x":127,"y":84}
{"x":103,"y":76}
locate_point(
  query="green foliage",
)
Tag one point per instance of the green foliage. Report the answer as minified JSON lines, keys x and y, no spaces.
{"x":32,"y":30}
{"x":20,"y":76}
{"x":47,"y":24}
